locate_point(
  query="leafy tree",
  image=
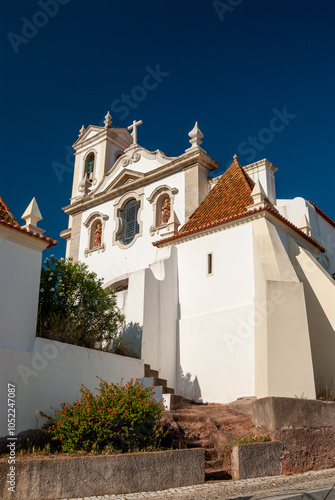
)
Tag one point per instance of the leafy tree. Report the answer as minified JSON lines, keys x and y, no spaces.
{"x":74,"y":308}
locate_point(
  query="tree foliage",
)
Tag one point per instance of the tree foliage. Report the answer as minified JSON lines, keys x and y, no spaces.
{"x":74,"y":307}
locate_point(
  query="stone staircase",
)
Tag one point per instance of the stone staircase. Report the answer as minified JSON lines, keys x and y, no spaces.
{"x":211,"y":427}
{"x":161,"y":391}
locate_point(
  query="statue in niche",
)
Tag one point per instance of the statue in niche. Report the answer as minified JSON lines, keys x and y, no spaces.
{"x":97,"y":236}
{"x":166,"y":211}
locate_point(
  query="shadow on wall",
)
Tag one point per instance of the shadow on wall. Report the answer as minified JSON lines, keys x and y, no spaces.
{"x":187,"y":388}
{"x":132,"y":337}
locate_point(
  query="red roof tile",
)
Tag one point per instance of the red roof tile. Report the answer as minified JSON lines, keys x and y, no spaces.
{"x":323,"y":215}
{"x":7,"y":219}
{"x":229,"y":197}
{"x":227,"y":201}
{"x":5,"y":213}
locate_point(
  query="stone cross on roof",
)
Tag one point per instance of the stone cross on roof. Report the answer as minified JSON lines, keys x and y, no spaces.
{"x":134,"y":132}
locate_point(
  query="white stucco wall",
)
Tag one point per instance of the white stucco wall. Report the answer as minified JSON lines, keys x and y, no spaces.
{"x":216,"y":316}
{"x":20,"y":268}
{"x":53,"y":373}
{"x":283,"y":358}
{"x":319,"y":290}
{"x":321,"y":230}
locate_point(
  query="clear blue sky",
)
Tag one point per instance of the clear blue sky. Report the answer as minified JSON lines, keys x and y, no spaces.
{"x":233,"y":65}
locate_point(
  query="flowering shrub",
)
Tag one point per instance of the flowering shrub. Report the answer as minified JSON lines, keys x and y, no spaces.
{"x":74,"y":308}
{"x":124,"y":417}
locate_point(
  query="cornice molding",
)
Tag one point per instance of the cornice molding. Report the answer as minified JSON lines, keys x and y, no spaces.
{"x":259,"y":166}
{"x":176,"y":165}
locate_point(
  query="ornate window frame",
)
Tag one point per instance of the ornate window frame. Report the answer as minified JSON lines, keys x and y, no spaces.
{"x":157,"y":199}
{"x":118,"y":206}
{"x":90,"y":223}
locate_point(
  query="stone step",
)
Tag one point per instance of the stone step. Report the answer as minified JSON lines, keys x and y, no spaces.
{"x":159,"y":381}
{"x":154,"y":382}
{"x":167,"y":390}
{"x":211,"y":454}
{"x":148,"y":372}
{"x":217,"y":475}
{"x":172,"y":401}
{"x":213,"y":464}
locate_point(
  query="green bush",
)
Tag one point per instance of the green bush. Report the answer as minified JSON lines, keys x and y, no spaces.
{"x":119,"y":417}
{"x":74,"y":308}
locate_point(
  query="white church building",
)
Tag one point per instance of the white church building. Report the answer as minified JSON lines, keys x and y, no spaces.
{"x":230,"y":287}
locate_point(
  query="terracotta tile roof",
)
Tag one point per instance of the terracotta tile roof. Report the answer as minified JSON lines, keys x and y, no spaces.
{"x":229,"y":197}
{"x":268,"y":208}
{"x":323,"y":215}
{"x":7,"y":219}
{"x":226,"y":202}
{"x":5,"y":213}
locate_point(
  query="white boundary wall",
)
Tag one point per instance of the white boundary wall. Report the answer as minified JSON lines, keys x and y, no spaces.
{"x":53,"y":373}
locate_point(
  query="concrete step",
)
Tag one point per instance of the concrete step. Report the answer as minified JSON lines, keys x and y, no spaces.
{"x":167,"y":390}
{"x":172,"y":401}
{"x":159,"y":381}
{"x":148,"y":372}
{"x":154,"y":382}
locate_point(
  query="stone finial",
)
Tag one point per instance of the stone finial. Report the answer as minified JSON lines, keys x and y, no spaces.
{"x":81,"y":131}
{"x":196,"y":136}
{"x":32,"y":215}
{"x":305,"y":225}
{"x":235,"y":157}
{"x":108,"y":120}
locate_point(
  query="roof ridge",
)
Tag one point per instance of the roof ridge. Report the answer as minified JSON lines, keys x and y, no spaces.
{"x":228,"y":197}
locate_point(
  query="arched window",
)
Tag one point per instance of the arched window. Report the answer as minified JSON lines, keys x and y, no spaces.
{"x":89,"y":166}
{"x":128,"y":222}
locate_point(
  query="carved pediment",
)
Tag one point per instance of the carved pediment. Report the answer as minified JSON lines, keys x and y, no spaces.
{"x":124,"y":178}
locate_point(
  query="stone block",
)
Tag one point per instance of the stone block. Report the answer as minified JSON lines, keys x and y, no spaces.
{"x":256,"y":460}
{"x":81,"y":476}
{"x":277,"y":413}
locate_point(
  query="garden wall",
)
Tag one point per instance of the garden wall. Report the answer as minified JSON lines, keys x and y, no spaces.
{"x":53,"y":373}
{"x":72,"y":477}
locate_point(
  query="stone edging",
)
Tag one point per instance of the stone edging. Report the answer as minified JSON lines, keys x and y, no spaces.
{"x":98,"y":475}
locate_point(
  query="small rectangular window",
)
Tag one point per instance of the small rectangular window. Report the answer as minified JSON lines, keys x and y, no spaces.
{"x":210,"y":264}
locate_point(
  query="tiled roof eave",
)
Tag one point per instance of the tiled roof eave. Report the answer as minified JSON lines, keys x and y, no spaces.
{"x":323,"y":215}
{"x":51,"y":242}
{"x":242,"y":218}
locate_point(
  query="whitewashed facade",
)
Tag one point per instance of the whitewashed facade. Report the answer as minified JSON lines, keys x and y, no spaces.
{"x":228,"y":309}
